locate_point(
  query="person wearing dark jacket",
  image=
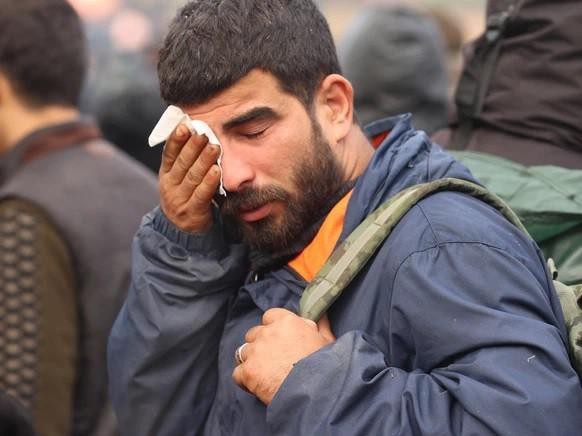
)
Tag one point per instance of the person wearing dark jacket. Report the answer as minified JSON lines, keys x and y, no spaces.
{"x":452,"y":328}
{"x":69,"y":206}
{"x":520,"y":93}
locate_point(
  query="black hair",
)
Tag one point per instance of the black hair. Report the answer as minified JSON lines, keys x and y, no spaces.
{"x":43,"y":51}
{"x":212,"y":44}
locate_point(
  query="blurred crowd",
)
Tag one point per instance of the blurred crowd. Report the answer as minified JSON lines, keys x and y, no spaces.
{"x":123,"y":35}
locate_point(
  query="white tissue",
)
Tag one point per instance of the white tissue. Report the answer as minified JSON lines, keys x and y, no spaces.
{"x":170,"y":119}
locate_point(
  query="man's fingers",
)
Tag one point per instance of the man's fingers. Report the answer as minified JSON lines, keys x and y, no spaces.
{"x":204,"y":192}
{"x":237,"y":375}
{"x":172,"y":148}
{"x":239,"y":378}
{"x":198,"y":168}
{"x":272,"y":315}
{"x":253,"y":333}
{"x":187,"y":158}
{"x":240,"y":354}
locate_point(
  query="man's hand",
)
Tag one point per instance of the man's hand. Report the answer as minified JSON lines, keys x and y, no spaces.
{"x":189,"y":178}
{"x":274,"y":347}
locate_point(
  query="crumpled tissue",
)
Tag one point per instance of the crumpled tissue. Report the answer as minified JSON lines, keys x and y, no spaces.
{"x":170,"y":119}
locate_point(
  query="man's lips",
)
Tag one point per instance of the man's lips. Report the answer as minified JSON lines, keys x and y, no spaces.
{"x":256,"y":214}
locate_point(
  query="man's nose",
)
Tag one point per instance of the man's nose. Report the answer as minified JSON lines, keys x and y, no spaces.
{"x":237,"y":172}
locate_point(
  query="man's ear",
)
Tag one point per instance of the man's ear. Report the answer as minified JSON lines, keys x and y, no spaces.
{"x":334,"y":105}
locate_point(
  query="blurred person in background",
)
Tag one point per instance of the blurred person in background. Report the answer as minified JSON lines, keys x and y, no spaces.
{"x":126,"y":103}
{"x":69,"y":206}
{"x":394,"y":56}
{"x":122,"y":90}
{"x":453,"y":37}
{"x":520,"y":92}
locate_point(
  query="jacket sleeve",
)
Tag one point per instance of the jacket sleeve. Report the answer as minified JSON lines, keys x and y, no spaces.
{"x":484,"y":358}
{"x":163,"y":348}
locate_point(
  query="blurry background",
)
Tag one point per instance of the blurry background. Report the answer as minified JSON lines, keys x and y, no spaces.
{"x":468,"y":14}
{"x":133,"y":25}
{"x":124,"y":36}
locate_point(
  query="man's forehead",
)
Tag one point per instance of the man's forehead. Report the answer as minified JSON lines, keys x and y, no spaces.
{"x":257,"y":90}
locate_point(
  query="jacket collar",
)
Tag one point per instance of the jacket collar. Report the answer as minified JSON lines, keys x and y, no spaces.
{"x":46,"y":140}
{"x":405,"y":158}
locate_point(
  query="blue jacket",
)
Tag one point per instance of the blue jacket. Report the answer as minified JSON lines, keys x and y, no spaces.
{"x":452,"y":329}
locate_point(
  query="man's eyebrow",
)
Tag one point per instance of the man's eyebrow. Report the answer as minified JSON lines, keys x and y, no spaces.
{"x":258,"y":113}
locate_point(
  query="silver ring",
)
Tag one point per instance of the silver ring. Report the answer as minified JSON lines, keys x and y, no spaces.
{"x":238,"y":356}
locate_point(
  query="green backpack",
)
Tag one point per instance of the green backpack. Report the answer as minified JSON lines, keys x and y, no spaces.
{"x":354,"y":252}
{"x":547,"y":199}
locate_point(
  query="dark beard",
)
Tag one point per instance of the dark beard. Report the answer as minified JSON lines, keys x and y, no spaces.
{"x":316,"y":178}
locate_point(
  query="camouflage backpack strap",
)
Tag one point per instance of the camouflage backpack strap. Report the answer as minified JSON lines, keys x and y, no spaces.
{"x":355,"y":251}
{"x":571,"y":302}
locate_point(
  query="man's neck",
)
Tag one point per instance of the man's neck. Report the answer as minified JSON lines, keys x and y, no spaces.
{"x":21,"y":122}
{"x":355,"y":154}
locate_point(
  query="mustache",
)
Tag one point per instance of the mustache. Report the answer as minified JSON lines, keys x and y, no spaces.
{"x":252,"y":198}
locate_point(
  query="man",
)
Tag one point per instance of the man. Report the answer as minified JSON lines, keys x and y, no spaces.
{"x":69,"y":206}
{"x":452,"y":328}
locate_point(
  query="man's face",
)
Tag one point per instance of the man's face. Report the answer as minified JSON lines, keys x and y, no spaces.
{"x":278,"y":168}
